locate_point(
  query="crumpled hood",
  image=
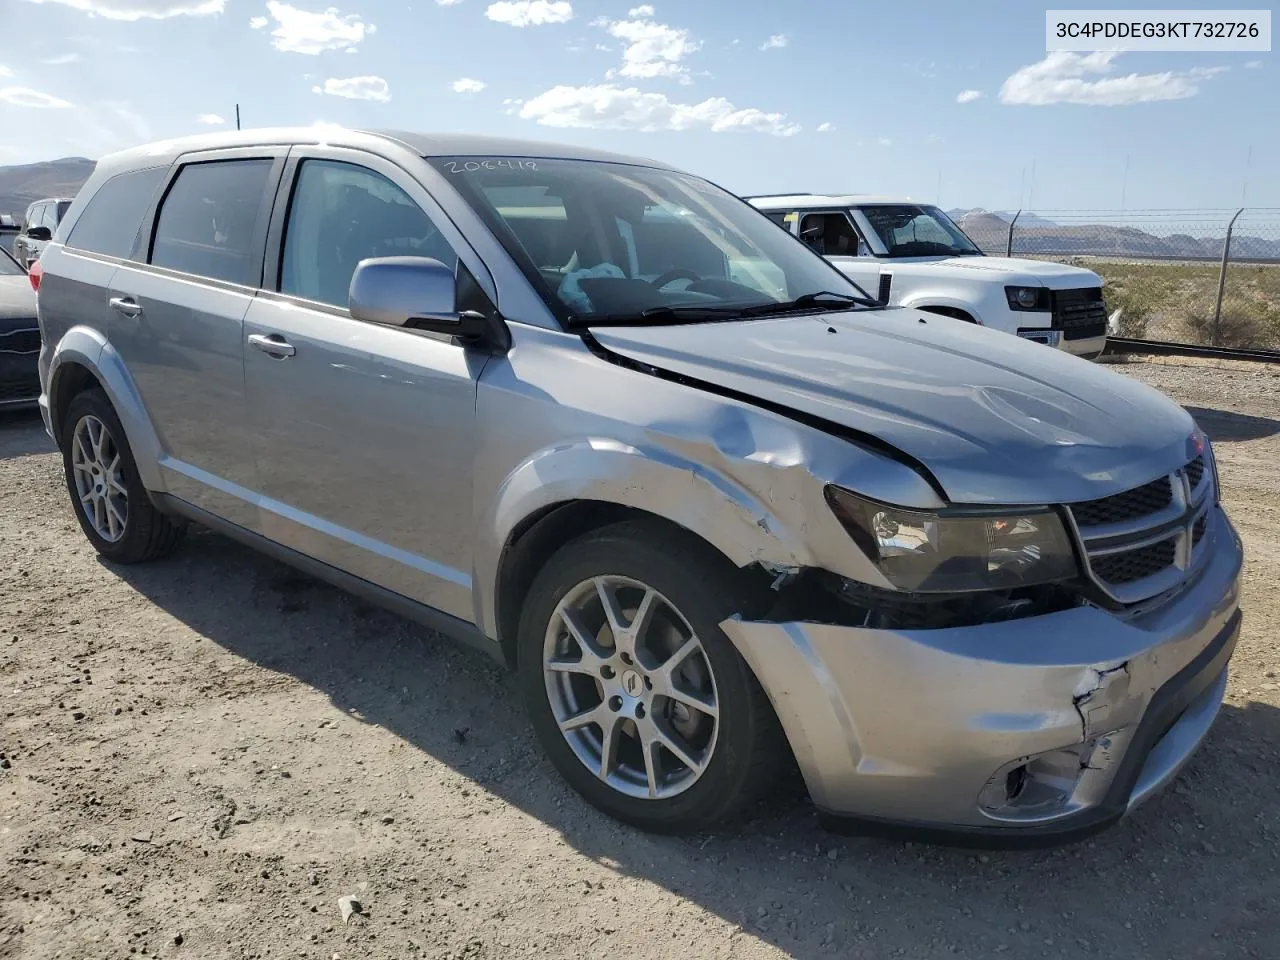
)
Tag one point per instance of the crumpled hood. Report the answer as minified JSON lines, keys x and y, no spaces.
{"x":17,"y":300}
{"x":996,"y":419}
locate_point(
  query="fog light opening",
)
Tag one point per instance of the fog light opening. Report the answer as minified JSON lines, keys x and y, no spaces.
{"x":1015,"y":782}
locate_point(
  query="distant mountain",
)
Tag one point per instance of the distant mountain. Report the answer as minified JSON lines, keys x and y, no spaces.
{"x":25,"y":183}
{"x":1034,"y":235}
{"x":1027,"y":219}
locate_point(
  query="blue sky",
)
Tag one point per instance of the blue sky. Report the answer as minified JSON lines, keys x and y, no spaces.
{"x":758,"y":95}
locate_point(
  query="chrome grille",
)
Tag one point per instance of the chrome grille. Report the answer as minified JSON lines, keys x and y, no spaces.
{"x":1130,"y":505}
{"x":1146,"y":540}
{"x":1133,"y":565}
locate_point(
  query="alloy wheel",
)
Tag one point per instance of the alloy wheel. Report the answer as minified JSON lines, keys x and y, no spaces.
{"x":99,"y":480}
{"x":631,"y":687}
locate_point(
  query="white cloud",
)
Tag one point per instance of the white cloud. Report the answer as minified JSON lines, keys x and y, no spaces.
{"x":776,"y":42}
{"x":530,"y":13}
{"x":448,"y":3}
{"x":1063,"y":77}
{"x":1253,"y":65}
{"x":356,"y":88}
{"x":653,"y":49}
{"x":143,"y":9}
{"x":605,"y":106}
{"x":884,"y":142}
{"x":210,"y":120}
{"x":826,"y":127}
{"x":467,"y":85}
{"x":257,"y":23}
{"x":302,"y":31}
{"x":968,"y":96}
{"x":5,"y":71}
{"x":26,"y":97}
{"x":61,"y":59}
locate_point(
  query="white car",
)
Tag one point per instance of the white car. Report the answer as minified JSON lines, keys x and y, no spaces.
{"x":914,"y":255}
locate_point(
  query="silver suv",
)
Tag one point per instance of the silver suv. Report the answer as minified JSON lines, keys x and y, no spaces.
{"x":718,"y":507}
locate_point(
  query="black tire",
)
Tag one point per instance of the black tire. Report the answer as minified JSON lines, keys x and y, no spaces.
{"x":751,"y":750}
{"x":148,"y":533}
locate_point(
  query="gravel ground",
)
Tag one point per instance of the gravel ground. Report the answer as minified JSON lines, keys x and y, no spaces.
{"x":201,"y":756}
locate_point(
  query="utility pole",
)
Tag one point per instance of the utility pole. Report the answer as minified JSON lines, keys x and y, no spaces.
{"x":1031,"y":190}
{"x":237,"y":116}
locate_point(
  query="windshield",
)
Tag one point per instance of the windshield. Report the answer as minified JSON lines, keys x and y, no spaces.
{"x":8,"y":266}
{"x":908,"y":230}
{"x":610,"y":242}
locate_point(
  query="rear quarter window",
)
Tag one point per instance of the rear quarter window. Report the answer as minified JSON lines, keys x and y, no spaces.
{"x":110,"y":222}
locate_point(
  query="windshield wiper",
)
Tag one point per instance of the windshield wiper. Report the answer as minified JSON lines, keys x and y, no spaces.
{"x":820,"y":300}
{"x":708,"y":312}
{"x":700,"y":313}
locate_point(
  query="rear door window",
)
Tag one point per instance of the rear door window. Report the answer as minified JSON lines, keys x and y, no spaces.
{"x":109,"y":224}
{"x":35,"y":217}
{"x":830,"y":234}
{"x":208,"y":221}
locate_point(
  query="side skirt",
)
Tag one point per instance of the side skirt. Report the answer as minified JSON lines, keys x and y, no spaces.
{"x":461,"y":631}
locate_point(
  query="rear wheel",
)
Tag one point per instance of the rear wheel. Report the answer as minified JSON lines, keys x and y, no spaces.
{"x":640,"y":700}
{"x":113,"y":507}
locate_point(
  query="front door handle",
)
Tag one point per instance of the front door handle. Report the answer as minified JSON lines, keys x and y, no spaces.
{"x":127,"y":306}
{"x":273,"y":345}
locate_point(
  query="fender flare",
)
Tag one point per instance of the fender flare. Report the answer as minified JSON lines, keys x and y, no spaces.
{"x":707,"y":503}
{"x":88,"y":348}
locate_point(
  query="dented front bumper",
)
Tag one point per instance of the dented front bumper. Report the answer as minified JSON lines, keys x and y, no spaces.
{"x":1043,"y":728}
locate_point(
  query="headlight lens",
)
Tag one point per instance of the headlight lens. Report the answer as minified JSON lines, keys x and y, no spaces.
{"x":1027,"y":298}
{"x":958,"y":551}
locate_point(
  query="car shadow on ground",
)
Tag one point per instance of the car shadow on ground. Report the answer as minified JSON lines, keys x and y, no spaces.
{"x":1194,"y":866}
{"x":1226,"y":426}
{"x":22,"y":434}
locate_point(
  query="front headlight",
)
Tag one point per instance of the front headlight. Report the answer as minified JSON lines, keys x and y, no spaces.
{"x":1027,"y":298}
{"x":958,"y":550}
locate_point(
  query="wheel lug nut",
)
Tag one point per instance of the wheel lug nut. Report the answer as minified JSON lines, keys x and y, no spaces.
{"x":639,"y":711}
{"x":626,"y":658}
{"x":615,"y":704}
{"x":607,"y":672}
{"x":648,"y":684}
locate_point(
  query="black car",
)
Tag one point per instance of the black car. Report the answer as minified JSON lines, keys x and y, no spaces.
{"x":19,"y":337}
{"x":38,"y":226}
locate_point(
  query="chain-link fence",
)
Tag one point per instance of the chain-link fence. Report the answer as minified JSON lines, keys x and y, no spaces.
{"x":1205,"y":277}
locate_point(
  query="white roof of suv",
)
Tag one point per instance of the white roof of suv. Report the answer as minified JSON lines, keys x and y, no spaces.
{"x":808,"y":201}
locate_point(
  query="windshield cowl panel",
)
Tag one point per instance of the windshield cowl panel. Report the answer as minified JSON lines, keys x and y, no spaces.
{"x":612,"y":242}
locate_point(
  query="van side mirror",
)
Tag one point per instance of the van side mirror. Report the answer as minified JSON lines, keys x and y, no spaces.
{"x":418,"y":293}
{"x":41,"y":234}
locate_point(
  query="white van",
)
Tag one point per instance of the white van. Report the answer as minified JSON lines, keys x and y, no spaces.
{"x":914,"y":255}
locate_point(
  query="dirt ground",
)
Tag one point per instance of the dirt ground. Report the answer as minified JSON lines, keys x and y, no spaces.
{"x":199,"y":757}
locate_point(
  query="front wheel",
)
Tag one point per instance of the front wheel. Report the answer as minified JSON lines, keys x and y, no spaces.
{"x":640,"y":700}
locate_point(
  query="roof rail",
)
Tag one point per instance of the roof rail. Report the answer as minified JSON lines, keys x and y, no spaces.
{"x":769,"y":196}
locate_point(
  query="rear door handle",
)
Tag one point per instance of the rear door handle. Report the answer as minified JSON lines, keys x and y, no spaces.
{"x":126,"y":306}
{"x":273,"y":345}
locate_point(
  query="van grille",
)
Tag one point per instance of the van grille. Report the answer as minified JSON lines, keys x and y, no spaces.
{"x":1079,"y":314}
{"x":1145,"y":541}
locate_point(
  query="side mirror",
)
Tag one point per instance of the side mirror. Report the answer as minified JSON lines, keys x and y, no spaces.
{"x":414,"y":292}
{"x":40,"y":233}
